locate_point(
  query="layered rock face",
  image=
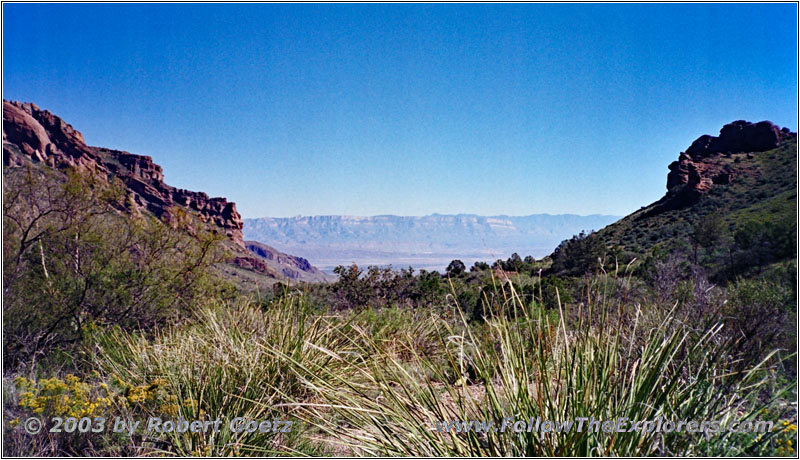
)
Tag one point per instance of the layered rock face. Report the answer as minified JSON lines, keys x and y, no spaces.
{"x":292,"y":267}
{"x":700,"y":166}
{"x":270,"y":253}
{"x":43,"y":137}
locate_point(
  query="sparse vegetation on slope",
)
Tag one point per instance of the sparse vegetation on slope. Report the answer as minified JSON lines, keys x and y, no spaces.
{"x":376,"y":382}
{"x":73,"y":260}
{"x":733,"y":230}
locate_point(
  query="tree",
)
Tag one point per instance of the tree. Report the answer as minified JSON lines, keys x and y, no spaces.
{"x":75,"y":257}
{"x":705,"y":234}
{"x":349,"y":288}
{"x":578,"y":255}
{"x":479,"y":266}
{"x":763,"y":242}
{"x":429,"y":287}
{"x":514,"y":263}
{"x":455,"y":269}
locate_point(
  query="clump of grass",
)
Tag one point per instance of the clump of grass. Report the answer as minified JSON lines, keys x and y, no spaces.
{"x":523,"y":365}
{"x":232,"y":362}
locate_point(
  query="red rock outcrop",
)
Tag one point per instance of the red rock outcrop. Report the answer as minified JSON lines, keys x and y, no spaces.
{"x":699,"y":167}
{"x":253,"y":263}
{"x":40,"y":136}
{"x":44,"y":137}
{"x":739,"y":136}
{"x":698,"y":175}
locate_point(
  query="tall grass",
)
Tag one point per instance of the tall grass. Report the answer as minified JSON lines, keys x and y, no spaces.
{"x":223,"y":366}
{"x":522,"y":365}
{"x":377,"y":382}
{"x":249,"y":360}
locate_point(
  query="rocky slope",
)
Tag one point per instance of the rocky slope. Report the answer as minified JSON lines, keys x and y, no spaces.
{"x":702,"y":165}
{"x":45,"y":138}
{"x":292,"y":267}
{"x":747,"y":173}
{"x":429,"y":242}
{"x":31,"y":134}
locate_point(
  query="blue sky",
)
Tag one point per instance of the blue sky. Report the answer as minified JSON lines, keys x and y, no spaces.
{"x":407,"y":109}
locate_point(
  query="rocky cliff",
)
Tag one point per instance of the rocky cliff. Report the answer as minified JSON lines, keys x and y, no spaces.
{"x":746,"y":174}
{"x":42,"y":137}
{"x":705,"y":163}
{"x":292,"y":267}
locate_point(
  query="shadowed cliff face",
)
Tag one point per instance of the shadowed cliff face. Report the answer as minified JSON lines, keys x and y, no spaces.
{"x":42,"y":137}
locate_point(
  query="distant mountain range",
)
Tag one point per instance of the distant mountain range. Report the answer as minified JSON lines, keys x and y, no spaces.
{"x":427,"y":242}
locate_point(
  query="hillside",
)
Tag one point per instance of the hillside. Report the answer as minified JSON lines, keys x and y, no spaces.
{"x":292,"y":267}
{"x":429,"y":242}
{"x":36,"y":137}
{"x":734,"y":193}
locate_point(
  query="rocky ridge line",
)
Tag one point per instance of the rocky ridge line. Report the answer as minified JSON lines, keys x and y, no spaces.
{"x":43,"y":137}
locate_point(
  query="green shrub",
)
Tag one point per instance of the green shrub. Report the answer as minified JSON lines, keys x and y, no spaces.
{"x":77,"y":260}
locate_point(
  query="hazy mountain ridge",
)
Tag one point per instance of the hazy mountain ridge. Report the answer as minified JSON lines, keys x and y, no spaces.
{"x":421,"y":241}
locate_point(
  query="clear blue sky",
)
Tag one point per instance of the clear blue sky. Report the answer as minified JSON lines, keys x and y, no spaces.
{"x":407,"y":109}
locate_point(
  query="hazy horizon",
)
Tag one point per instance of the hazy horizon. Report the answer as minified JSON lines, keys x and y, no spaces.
{"x":429,"y":242}
{"x":436,"y":214}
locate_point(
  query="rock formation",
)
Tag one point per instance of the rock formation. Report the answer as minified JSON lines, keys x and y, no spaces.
{"x":42,"y":137}
{"x":739,"y":136}
{"x":292,"y":267}
{"x":702,"y":165}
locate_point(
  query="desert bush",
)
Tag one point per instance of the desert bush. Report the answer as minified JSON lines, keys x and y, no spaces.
{"x":75,"y":258}
{"x":92,"y":400}
{"x":759,"y":313}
